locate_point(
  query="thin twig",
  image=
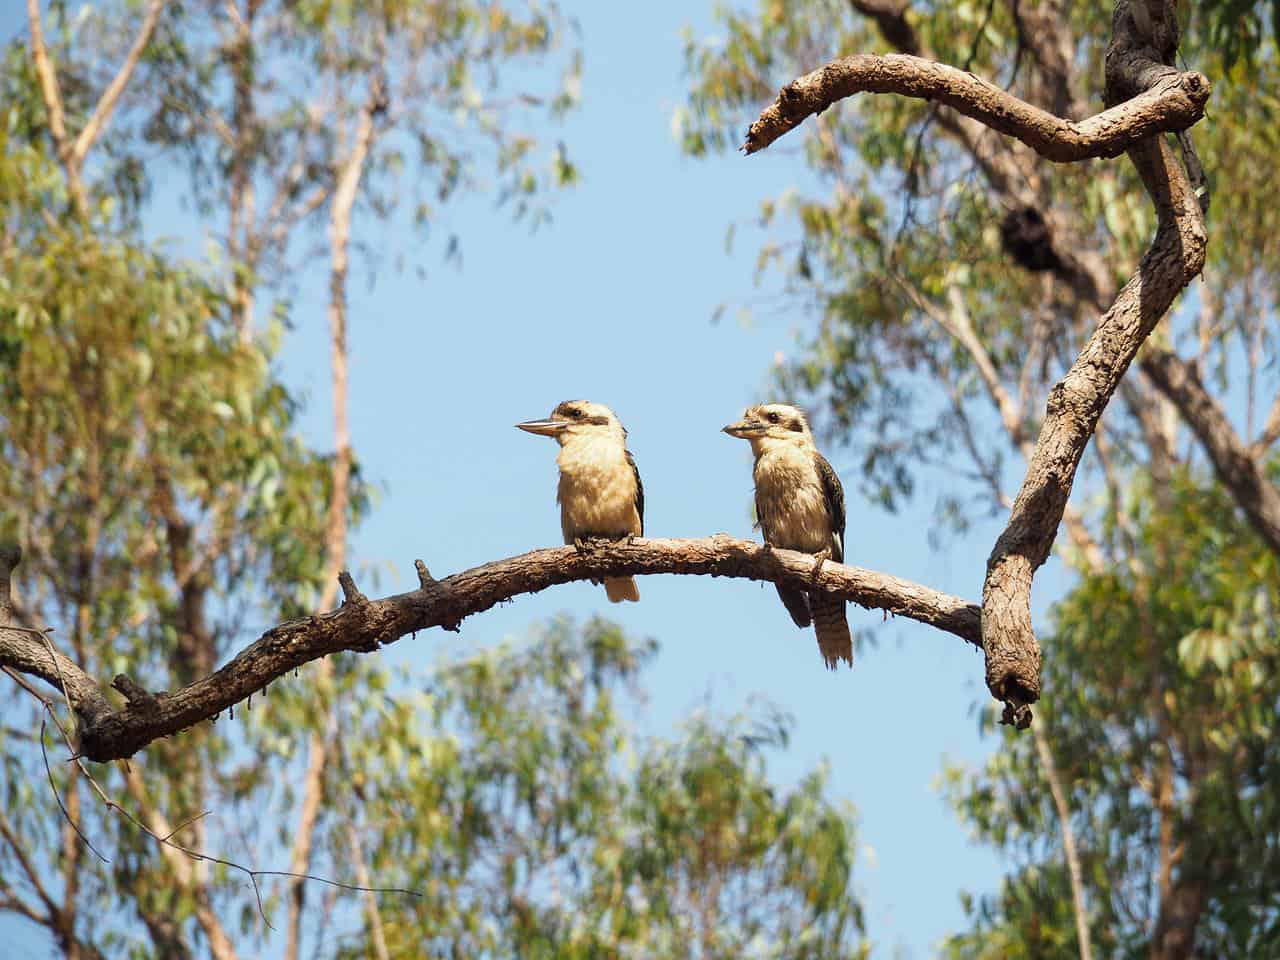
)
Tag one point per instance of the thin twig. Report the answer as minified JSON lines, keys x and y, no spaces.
{"x":167,"y":841}
{"x":54,"y":787}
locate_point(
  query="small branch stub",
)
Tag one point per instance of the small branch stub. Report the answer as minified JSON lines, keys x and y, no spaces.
{"x":425,"y":579}
{"x":350,"y":592}
{"x":139,"y":699}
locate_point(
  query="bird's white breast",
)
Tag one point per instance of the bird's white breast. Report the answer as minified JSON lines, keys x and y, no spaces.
{"x":790,"y":500}
{"x":597,"y":492}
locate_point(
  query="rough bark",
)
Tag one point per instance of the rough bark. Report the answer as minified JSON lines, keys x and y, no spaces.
{"x":1173,"y":101}
{"x":361,"y":624}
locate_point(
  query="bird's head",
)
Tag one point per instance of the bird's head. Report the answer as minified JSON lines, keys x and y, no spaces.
{"x":576,"y":420}
{"x":769,"y":425}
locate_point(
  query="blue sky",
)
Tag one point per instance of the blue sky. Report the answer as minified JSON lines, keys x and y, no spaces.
{"x":613,"y":302}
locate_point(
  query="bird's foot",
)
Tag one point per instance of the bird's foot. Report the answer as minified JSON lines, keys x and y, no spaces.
{"x":822,"y":556}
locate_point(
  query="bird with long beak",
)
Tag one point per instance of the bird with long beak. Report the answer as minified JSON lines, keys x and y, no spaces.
{"x":799,"y":506}
{"x":600,"y":493}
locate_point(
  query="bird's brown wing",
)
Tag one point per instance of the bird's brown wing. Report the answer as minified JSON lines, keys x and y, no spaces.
{"x":833,"y":492}
{"x":796,"y":601}
{"x":797,"y":604}
{"x":829,"y":623}
{"x":639,"y":490}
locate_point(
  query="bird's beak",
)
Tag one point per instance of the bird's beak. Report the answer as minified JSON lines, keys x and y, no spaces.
{"x":744,"y":429}
{"x":543,"y":428}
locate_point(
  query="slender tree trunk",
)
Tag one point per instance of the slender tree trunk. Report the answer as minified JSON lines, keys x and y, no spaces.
{"x":376,"y":933}
{"x":240,"y":232}
{"x":1079,"y":902}
{"x":320,"y":744}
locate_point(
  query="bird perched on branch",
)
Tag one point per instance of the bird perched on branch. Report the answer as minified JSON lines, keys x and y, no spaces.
{"x":799,"y":506}
{"x":600,"y":493}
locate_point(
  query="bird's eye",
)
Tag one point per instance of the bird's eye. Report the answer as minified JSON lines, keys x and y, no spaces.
{"x":773,"y":417}
{"x":576,"y":414}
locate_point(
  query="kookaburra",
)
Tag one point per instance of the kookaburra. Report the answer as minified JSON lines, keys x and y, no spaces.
{"x":799,"y":506}
{"x":600,"y":493}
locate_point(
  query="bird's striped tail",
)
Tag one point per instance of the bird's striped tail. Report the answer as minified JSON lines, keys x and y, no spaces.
{"x":829,"y":623}
{"x":618,"y":589}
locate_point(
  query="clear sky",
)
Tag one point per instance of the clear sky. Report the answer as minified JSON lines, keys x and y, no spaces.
{"x":613,"y":302}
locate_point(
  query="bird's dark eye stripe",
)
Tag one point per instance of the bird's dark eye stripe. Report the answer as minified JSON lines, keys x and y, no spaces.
{"x":599,"y":421}
{"x":795,"y":425}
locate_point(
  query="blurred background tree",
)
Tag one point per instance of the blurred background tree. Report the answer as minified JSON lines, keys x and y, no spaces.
{"x":953,"y":275}
{"x":153,"y":471}
{"x":152,"y":467}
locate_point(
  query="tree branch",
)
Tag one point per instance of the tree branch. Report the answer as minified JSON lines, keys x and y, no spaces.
{"x":1076,"y":402}
{"x":1145,"y":96}
{"x":53,"y":107}
{"x":1075,"y":873}
{"x":113,"y":734}
{"x":107,"y":102}
{"x":1174,"y":101}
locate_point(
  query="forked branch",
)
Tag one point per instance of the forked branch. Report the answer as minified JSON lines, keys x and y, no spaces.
{"x":1146,"y":96}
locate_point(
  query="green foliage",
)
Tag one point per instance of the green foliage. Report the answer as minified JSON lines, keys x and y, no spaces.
{"x":897,"y":226}
{"x":1239,"y":28}
{"x":1161,"y":683}
{"x":515,"y":795}
{"x":1160,"y":675}
{"x":460,"y":96}
{"x":150,"y":467}
{"x":151,"y":470}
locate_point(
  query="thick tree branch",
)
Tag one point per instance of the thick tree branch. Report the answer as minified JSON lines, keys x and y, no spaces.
{"x":1233,"y":463}
{"x":1145,"y":96}
{"x":114,"y":734}
{"x":1076,"y":402}
{"x":1174,"y":101}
